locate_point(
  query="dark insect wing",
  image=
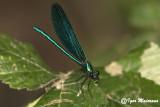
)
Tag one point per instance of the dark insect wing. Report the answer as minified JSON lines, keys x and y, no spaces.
{"x":48,"y":37}
{"x":65,"y":33}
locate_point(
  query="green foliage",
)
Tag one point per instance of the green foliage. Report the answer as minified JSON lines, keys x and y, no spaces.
{"x":132,"y":61}
{"x":21,"y":67}
{"x":109,"y":92}
{"x":142,"y":20}
{"x":133,"y":76}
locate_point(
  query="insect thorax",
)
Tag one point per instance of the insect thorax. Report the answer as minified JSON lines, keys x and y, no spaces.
{"x":88,"y":67}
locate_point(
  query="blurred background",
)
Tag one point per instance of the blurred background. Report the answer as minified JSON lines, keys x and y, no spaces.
{"x":107,"y":29}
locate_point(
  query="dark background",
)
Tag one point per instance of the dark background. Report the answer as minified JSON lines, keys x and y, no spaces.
{"x":98,"y":23}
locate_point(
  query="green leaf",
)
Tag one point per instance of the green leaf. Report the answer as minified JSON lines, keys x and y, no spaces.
{"x":131,"y":61}
{"x":108,"y":92}
{"x":20,"y":65}
{"x":113,"y":87}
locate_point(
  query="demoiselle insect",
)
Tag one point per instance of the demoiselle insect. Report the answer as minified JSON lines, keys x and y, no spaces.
{"x":68,"y":38}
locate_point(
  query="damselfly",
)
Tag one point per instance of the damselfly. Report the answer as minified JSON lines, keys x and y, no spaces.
{"x":68,"y":38}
